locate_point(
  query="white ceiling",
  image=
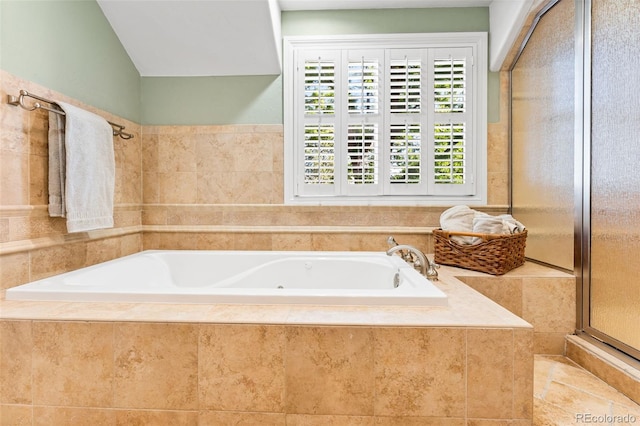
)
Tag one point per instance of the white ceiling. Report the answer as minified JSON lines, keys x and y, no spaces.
{"x":196,"y":38}
{"x":227,"y":37}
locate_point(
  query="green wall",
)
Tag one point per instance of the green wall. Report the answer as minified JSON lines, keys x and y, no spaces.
{"x":69,"y":47}
{"x":383,"y":21}
{"x":258,"y":99}
{"x":212,"y":100}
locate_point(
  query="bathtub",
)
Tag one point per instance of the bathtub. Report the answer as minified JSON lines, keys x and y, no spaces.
{"x":241,"y":277}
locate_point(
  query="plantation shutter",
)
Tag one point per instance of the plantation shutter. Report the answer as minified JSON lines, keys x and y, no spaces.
{"x":450,"y":153}
{"x":363,"y":121}
{"x":398,"y":122}
{"x":405,"y":148}
{"x":318,"y":124}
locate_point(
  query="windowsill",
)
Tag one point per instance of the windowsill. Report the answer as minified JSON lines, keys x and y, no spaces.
{"x":384,"y":201}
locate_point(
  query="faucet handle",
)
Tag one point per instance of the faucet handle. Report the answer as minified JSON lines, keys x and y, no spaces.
{"x":391,"y":241}
{"x":431,"y":272}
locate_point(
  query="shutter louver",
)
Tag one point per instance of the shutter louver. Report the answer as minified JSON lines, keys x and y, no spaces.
{"x":450,"y":85}
{"x":363,"y":87}
{"x":362,"y":154}
{"x":319,"y":154}
{"x":405,"y":86}
{"x":405,"y":154}
{"x":449,"y":153}
{"x":319,"y":87}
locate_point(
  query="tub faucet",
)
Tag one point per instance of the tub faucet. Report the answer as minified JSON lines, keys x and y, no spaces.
{"x":427,"y":268}
{"x":405,"y":255}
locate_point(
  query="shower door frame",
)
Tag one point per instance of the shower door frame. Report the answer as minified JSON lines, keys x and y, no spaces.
{"x":582,"y":146}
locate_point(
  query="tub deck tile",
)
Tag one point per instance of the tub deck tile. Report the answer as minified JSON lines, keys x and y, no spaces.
{"x":466,"y":308}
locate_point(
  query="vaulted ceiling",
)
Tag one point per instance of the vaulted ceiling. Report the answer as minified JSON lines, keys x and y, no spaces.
{"x":242,"y":37}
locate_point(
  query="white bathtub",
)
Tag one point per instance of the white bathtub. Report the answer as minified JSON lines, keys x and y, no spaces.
{"x":247,"y":277}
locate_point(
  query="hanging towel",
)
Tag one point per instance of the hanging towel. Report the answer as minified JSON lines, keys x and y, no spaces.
{"x":89,"y":180}
{"x":56,"y":165}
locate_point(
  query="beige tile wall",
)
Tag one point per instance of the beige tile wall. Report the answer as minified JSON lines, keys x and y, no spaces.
{"x":544,"y":297}
{"x":190,"y":373}
{"x":498,"y":178}
{"x":213,"y":164}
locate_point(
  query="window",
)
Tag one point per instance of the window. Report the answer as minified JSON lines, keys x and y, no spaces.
{"x":388,"y":119}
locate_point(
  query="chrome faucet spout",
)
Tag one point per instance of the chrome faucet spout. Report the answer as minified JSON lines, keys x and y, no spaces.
{"x":427,"y":268}
{"x":391,"y":242}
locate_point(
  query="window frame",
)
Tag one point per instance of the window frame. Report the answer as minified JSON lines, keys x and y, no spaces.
{"x":477,"y":41}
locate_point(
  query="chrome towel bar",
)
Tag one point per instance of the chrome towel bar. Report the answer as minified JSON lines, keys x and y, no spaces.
{"x":118,"y":130}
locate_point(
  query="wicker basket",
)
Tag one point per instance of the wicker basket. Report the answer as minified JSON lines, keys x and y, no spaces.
{"x":496,"y":255}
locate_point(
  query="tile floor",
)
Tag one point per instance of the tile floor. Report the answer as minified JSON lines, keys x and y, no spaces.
{"x":565,"y":394}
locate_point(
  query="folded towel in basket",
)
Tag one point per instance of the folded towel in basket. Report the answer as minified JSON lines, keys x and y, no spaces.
{"x":486,"y":224}
{"x":458,"y":218}
{"x":511,"y":226}
{"x":465,"y":219}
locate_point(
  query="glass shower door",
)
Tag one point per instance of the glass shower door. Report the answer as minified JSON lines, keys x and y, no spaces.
{"x":614,"y":292}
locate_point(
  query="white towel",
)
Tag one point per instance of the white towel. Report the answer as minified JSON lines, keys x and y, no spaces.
{"x":511,"y":226}
{"x":89,"y":181}
{"x":56,"y":165}
{"x":465,"y":219}
{"x":486,"y":224}
{"x":460,"y":219}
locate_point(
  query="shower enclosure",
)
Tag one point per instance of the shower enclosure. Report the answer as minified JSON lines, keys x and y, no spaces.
{"x":613,"y":310}
{"x":576,"y":153}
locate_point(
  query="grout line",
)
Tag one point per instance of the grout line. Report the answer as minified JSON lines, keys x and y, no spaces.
{"x":543,"y":394}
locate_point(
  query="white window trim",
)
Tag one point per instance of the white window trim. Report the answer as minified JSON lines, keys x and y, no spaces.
{"x":476,"y":40}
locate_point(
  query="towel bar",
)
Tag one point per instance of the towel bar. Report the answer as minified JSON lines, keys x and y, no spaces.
{"x":118,"y":130}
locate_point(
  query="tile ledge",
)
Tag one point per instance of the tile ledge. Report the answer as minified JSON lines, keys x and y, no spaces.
{"x":632,"y":370}
{"x":12,"y":247}
{"x":43,"y":209}
{"x":530,"y":269}
{"x":621,"y":374}
{"x":288,"y":229}
{"x":497,"y":208}
{"x":483,"y":314}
